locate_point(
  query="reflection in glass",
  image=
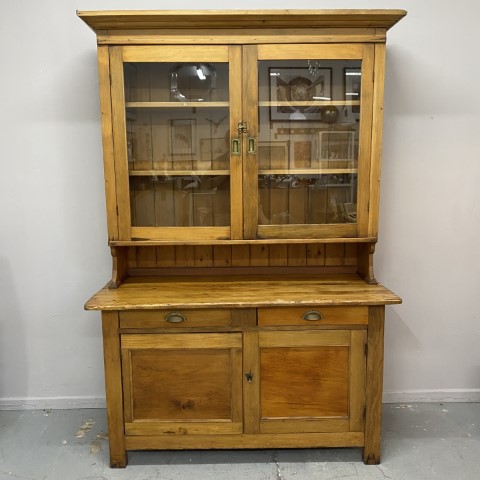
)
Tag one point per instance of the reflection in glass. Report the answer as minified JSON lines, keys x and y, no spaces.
{"x":309,"y":118}
{"x":178,"y":153}
{"x":178,"y":139}
{"x":158,"y":82}
{"x":181,"y":201}
{"x":307,"y":199}
{"x":193,"y":82}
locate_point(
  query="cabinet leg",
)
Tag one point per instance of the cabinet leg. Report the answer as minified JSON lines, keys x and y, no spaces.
{"x":118,"y":461}
{"x":371,"y":458}
{"x":113,"y":387}
{"x":374,"y":387}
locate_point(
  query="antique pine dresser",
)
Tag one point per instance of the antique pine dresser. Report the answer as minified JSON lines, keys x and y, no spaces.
{"x":242,"y":158}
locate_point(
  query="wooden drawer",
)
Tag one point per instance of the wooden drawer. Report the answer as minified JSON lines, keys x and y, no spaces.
{"x":311,"y":316}
{"x":184,"y":318}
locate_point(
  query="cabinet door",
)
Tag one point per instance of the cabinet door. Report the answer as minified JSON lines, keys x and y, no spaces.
{"x":182,"y":383}
{"x":309,"y":111}
{"x":312,"y":381}
{"x":173,"y":108}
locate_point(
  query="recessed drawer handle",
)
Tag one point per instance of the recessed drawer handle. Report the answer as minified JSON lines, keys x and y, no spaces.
{"x":312,"y":316}
{"x":175,"y":317}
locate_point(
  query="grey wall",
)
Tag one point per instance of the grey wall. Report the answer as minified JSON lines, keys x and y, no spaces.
{"x":53,"y":252}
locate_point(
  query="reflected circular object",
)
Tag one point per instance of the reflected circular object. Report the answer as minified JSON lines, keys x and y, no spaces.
{"x":300,"y":89}
{"x":192,"y":82}
{"x":329,"y":114}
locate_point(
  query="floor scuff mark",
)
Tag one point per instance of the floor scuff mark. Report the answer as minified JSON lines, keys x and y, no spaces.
{"x":96,"y":445}
{"x":86,"y":427}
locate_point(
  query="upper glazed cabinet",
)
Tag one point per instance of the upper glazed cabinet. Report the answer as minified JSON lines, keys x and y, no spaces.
{"x":237,"y":138}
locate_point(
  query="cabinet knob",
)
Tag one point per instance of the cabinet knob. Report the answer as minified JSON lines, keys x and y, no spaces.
{"x":312,"y":316}
{"x":175,"y":317}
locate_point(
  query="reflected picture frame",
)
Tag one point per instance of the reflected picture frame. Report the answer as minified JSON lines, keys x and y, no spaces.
{"x":183,"y":136}
{"x":353,"y":88}
{"x":273,"y":154}
{"x":298,"y":84}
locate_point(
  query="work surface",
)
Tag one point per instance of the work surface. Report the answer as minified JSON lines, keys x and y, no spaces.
{"x":240,"y":292}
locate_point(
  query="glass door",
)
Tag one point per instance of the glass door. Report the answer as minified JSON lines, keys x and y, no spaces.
{"x":314,"y":102}
{"x":172,"y":125}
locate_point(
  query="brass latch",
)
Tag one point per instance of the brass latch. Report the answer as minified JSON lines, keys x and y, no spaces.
{"x":242,"y":128}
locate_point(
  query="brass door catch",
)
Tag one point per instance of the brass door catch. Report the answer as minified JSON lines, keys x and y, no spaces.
{"x":242,"y":128}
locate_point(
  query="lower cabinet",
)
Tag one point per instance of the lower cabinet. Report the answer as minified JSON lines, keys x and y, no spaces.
{"x":244,"y":382}
{"x":239,"y":378}
{"x":182,"y":383}
{"x":312,"y":381}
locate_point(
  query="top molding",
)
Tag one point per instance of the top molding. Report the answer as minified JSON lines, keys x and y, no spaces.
{"x":228,"y":19}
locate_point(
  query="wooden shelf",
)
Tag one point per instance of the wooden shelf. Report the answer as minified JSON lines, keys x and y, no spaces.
{"x":176,"y":173}
{"x":275,"y":241}
{"x":309,"y":171}
{"x":277,"y":171}
{"x":311,"y":103}
{"x":177,"y":104}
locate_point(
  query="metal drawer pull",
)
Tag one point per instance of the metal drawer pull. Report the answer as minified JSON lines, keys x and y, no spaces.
{"x":175,"y":317}
{"x":312,"y":316}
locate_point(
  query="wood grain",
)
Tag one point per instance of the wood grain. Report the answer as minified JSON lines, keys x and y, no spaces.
{"x":303,"y":382}
{"x":250,"y":165}
{"x":219,"y":379}
{"x":158,"y":318}
{"x":107,"y":142}
{"x":330,"y":315}
{"x":120,"y":143}
{"x":273,"y":440}
{"x":296,"y":51}
{"x":176,"y":53}
{"x":227,"y":292}
{"x":378,"y":90}
{"x":251,"y":390}
{"x":228,"y":19}
{"x":236,"y":161}
{"x":365,"y":141}
{"x":243,"y":36}
{"x":374,"y":386}
{"x":189,"y":388}
{"x":113,"y":387}
{"x":357,"y":380}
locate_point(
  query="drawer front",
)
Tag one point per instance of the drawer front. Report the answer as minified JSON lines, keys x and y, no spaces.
{"x":184,"y":318}
{"x":311,"y":316}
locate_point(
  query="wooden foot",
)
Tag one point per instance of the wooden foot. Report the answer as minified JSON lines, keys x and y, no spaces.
{"x":371,"y":458}
{"x":118,"y":461}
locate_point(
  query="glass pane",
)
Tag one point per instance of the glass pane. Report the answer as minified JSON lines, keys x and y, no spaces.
{"x":177,"y":119}
{"x":309,"y":118}
{"x":180,"y":201}
{"x":181,"y":82}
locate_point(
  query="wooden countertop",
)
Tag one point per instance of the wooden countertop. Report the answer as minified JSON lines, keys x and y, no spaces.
{"x":146,"y":293}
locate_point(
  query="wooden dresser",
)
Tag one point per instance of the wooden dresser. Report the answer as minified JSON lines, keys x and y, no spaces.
{"x":242,"y":158}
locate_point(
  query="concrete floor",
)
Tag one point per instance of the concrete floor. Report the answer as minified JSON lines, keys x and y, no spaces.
{"x":420,"y":441}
